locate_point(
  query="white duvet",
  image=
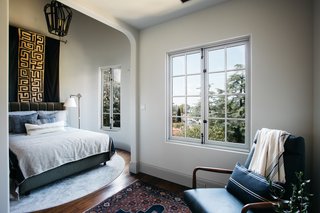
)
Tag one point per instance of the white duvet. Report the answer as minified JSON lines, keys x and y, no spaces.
{"x":40,"y":153}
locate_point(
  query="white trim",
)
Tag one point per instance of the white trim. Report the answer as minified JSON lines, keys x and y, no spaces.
{"x":204,"y":49}
{"x":178,"y":177}
{"x":212,"y":44}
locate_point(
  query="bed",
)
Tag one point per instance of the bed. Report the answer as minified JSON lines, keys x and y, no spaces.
{"x":23,"y":146}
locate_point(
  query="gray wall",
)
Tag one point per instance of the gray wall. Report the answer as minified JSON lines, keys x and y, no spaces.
{"x":90,"y":45}
{"x":316,"y":129}
{"x":281,"y":76}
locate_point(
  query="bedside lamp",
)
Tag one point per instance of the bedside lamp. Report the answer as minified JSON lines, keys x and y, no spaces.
{"x":70,"y":102}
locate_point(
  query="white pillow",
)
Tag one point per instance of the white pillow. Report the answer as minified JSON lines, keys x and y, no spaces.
{"x":61,"y":115}
{"x":34,"y":129}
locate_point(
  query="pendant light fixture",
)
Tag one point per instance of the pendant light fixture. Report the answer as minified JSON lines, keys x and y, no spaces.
{"x":58,"y":18}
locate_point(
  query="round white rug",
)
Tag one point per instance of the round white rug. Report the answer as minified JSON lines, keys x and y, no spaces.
{"x":69,"y":189}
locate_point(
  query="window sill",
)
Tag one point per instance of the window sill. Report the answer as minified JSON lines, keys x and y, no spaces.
{"x":110,"y":130}
{"x":242,"y":150}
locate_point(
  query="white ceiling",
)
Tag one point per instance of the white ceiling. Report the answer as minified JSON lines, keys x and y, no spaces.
{"x":144,"y":13}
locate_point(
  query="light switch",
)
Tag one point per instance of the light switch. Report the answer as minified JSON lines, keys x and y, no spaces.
{"x":143,"y":107}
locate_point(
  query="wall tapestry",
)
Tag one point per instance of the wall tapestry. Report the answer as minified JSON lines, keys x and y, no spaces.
{"x":33,"y":67}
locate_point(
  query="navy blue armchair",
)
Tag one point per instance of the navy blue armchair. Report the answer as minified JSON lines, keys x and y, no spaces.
{"x":220,"y":200}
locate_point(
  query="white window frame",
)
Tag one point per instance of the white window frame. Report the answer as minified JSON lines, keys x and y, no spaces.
{"x":111,"y":127}
{"x":204,"y":97}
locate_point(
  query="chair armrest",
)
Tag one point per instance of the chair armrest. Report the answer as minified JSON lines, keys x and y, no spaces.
{"x":258,"y":205}
{"x":208,"y":169}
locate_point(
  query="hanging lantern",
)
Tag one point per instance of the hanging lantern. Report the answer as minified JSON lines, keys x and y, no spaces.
{"x":58,"y":18}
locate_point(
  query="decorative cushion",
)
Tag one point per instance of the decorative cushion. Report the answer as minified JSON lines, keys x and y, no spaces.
{"x":22,"y":112}
{"x":18,"y":121}
{"x":34,"y":129}
{"x":250,"y":187}
{"x":47,"y":118}
{"x":17,"y":113}
{"x":60,"y":115}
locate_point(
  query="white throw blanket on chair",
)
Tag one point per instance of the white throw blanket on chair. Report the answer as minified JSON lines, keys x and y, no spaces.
{"x":267,"y":158}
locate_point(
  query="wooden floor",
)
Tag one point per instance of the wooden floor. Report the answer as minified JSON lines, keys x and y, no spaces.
{"x":124,"y":180}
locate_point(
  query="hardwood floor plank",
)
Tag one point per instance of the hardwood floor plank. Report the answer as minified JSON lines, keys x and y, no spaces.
{"x":124,"y":180}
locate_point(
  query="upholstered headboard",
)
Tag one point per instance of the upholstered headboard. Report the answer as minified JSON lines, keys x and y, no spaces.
{"x":36,"y":106}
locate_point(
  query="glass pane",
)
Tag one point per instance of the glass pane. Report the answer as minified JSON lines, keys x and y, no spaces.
{"x":193,"y":63}
{"x":178,"y":127}
{"x":216,"y":60}
{"x":216,"y":130}
{"x":236,"y":131}
{"x":193,"y":121}
{"x":106,"y":91}
{"x":178,"y":65}
{"x":106,"y":120}
{"x":217,"y":83}
{"x":178,"y":106}
{"x":236,"y":57}
{"x":217,"y":106}
{"x":193,"y":107}
{"x":116,"y":98}
{"x":193,"y":85}
{"x":178,"y":86}
{"x":107,"y":75}
{"x":106,"y":100}
{"x":116,"y":106}
{"x":117,"y":75}
{"x":116,"y":120}
{"x":236,"y":106}
{"x":236,"y":82}
{"x":193,"y":129}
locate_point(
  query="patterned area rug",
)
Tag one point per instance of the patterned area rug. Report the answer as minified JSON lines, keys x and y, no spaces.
{"x":140,"y":197}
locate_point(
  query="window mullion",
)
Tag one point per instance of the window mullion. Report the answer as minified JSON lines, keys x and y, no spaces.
{"x":111,"y":99}
{"x":225,"y":95}
{"x":186,"y":95}
{"x":204,"y":95}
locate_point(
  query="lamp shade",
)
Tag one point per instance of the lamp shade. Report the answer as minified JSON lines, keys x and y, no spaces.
{"x":70,"y":102}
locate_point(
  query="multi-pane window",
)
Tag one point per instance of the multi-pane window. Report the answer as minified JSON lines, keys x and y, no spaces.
{"x":208,"y":94}
{"x":111,"y":82}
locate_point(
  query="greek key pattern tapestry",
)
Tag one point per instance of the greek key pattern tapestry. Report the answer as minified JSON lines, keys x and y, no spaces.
{"x":30,"y":66}
{"x":33,"y":67}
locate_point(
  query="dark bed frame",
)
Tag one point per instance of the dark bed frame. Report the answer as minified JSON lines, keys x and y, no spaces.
{"x":65,"y":170}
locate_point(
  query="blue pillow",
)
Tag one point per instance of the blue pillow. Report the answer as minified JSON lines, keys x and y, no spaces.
{"x":46,"y":118}
{"x":250,"y":187}
{"x":18,"y":122}
{"x":17,"y":113}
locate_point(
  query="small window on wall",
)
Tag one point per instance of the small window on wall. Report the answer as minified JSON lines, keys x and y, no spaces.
{"x":111,"y":98}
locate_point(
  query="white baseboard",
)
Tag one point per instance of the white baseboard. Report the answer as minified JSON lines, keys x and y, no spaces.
{"x":133,"y":167}
{"x":176,"y":177}
{"x":122,"y":146}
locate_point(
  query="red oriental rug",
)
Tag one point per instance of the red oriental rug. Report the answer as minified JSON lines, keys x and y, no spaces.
{"x":140,"y":197}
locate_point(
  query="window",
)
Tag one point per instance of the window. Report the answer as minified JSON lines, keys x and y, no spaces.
{"x":208,"y":95}
{"x":111,"y":83}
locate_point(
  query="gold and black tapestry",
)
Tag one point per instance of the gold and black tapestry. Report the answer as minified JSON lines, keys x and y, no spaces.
{"x":33,"y":67}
